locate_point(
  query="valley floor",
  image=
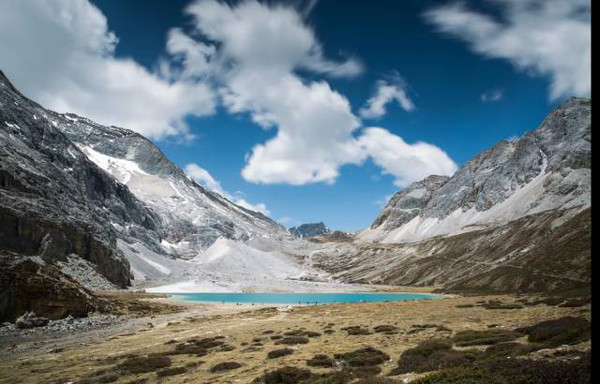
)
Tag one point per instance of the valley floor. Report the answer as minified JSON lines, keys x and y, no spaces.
{"x":151,"y":340}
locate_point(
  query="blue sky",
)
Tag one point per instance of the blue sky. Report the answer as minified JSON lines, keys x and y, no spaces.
{"x":466,"y":95}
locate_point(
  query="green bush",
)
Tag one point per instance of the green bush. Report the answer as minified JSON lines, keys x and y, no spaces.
{"x":320,"y":361}
{"x":292,"y":340}
{"x":364,"y":357}
{"x":432,"y":355}
{"x":385,"y":328}
{"x":279,"y":353}
{"x":566,"y":330}
{"x":485,"y":337}
{"x":171,"y":371}
{"x":145,"y":364}
{"x":285,"y":375}
{"x":225,"y":366}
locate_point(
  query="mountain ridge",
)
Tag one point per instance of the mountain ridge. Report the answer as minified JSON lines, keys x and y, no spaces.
{"x":557,"y":153}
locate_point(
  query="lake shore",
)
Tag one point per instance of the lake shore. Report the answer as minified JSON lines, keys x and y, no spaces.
{"x":247,"y":333}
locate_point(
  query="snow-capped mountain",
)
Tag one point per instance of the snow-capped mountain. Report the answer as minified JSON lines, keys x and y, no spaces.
{"x":546,"y":169}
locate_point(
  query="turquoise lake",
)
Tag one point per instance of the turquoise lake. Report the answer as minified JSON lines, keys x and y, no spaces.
{"x":301,"y":298}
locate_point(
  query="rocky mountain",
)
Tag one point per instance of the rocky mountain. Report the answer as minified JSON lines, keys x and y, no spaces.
{"x":546,"y":169}
{"x":100,"y":203}
{"x":310,"y":230}
{"x":514,"y":218}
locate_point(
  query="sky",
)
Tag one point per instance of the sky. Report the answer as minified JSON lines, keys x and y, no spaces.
{"x":304,"y":110}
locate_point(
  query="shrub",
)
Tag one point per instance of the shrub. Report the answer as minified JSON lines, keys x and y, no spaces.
{"x":486,"y":337}
{"x":356,"y":330}
{"x":198,"y":347}
{"x":279,"y":353}
{"x":432,"y":355}
{"x":340,"y":377}
{"x":566,"y":330}
{"x":226,"y":348}
{"x":385,"y":328}
{"x":364,"y":357}
{"x":292,"y":340}
{"x":225,"y":366}
{"x":171,"y":371}
{"x":189,"y":349}
{"x":377,"y":380}
{"x":145,"y":364}
{"x":285,"y":375}
{"x":510,"y":371}
{"x":363,"y":372}
{"x":510,"y":349}
{"x":320,"y":361}
{"x":495,"y":304}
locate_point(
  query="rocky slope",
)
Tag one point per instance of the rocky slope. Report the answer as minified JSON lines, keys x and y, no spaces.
{"x":515,"y":218}
{"x":310,"y":230}
{"x":546,"y":169}
{"x":191,"y":217}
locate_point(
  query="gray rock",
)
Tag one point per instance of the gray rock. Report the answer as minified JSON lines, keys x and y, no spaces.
{"x":310,"y":230}
{"x":30,"y":320}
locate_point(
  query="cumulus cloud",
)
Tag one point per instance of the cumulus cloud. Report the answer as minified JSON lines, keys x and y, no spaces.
{"x":249,"y":57}
{"x":205,"y":179}
{"x":551,"y":38}
{"x":261,"y":47}
{"x":387,"y":92}
{"x":61,"y":54}
{"x":406,"y":162}
{"x":492,"y":95}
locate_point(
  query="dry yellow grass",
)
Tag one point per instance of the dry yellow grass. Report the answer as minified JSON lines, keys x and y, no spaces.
{"x":240,"y":329}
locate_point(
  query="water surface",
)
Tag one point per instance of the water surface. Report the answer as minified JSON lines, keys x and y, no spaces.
{"x":301,"y":298}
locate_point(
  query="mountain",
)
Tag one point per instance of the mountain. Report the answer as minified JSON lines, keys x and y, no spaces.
{"x":514,"y":218}
{"x":100,"y":204}
{"x":310,"y":230}
{"x":546,"y":169}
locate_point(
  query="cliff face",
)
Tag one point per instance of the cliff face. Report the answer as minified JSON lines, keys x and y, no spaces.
{"x":54,"y":201}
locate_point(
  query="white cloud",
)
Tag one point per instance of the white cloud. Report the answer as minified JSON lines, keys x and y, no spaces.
{"x":205,"y":179}
{"x":492,"y":95}
{"x":61,"y":54}
{"x":251,"y":53}
{"x":260,"y":48}
{"x":387,"y":91}
{"x":406,"y":162}
{"x":551,"y":38}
